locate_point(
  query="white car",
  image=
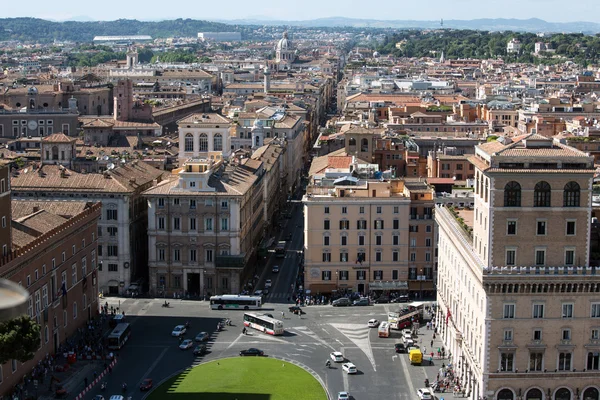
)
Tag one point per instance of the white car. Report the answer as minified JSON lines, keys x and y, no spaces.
{"x":373,"y":323}
{"x":186,"y":344}
{"x":424,"y":394}
{"x":349,"y":368}
{"x":343,"y":396}
{"x":178,"y":331}
{"x":267,"y":283}
{"x":336,"y":356}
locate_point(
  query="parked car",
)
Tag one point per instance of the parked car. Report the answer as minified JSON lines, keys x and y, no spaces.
{"x":146,"y":384}
{"x":373,"y":323}
{"x":336,"y":356}
{"x":201,"y":337}
{"x":341,"y":302}
{"x":186,"y":344}
{"x":361,"y":302}
{"x":178,"y":330}
{"x":200,"y":350}
{"x":349,"y":368}
{"x":382,"y":300}
{"x":400,"y":299}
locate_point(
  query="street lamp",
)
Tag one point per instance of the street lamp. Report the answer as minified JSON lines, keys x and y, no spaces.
{"x":337,"y":281}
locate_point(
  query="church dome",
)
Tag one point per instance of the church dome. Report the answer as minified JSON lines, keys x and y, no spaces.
{"x":284,"y":43}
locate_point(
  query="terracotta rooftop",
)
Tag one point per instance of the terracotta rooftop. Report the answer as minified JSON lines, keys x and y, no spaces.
{"x":59,"y":138}
{"x":206,"y":118}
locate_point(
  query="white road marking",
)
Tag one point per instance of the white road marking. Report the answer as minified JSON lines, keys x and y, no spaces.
{"x":235,"y":341}
{"x":359,"y":335}
{"x":407,"y":374}
{"x":149,"y":370}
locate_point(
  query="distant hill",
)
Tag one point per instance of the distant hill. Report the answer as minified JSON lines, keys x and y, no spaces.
{"x":488,"y":24}
{"x":35,"y":29}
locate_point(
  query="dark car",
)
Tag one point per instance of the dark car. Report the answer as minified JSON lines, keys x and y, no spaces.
{"x":252,"y":352}
{"x":146,"y":385}
{"x":361,"y":302}
{"x":401,"y":299}
{"x":400,"y":348}
{"x":296,"y":310}
{"x":341,"y":302}
{"x":382,"y":300}
{"x":200,"y":350}
{"x":61,"y":392}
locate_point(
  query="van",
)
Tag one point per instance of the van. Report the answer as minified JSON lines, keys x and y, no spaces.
{"x":415,"y":357}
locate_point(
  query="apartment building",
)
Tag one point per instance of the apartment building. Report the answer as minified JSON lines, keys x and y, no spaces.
{"x":364,"y":235}
{"x":52,"y":253}
{"x":122,"y":241}
{"x":204,"y":225}
{"x":518,"y":302}
{"x":447,"y":164}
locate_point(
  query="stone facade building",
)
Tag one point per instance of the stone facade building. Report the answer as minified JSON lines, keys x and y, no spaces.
{"x":518,"y":302}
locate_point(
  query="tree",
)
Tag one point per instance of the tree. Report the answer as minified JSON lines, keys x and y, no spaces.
{"x":19,"y":339}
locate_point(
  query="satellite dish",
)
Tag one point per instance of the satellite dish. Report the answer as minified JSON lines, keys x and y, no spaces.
{"x":110,"y":166}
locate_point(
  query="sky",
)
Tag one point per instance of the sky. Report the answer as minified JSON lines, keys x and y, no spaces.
{"x":549,"y":10}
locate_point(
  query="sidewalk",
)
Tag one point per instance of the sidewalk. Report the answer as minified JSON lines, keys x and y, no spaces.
{"x":439,"y":365}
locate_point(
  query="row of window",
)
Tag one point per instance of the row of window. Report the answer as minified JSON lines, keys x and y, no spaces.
{"x":542,"y":194}
{"x":378,"y":240}
{"x":192,"y":226}
{"x":161,"y":255}
{"x":378,"y":275}
{"x":565,"y":335}
{"x":112,"y":250}
{"x":361,"y":256}
{"x":191,"y":202}
{"x":564,"y":361}
{"x":540,"y":256}
{"x":541,"y":228}
{"x":361,"y":209}
{"x":203,"y":142}
{"x":176,"y":282}
{"x":538,"y":311}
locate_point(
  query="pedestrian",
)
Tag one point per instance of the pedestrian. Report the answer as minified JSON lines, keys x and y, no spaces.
{"x":95,"y":375}
{"x":282,"y":314}
{"x":431,"y":360}
{"x":300,"y":315}
{"x":431,"y":344}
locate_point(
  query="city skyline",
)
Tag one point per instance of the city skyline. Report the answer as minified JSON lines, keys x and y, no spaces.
{"x":311,"y":9}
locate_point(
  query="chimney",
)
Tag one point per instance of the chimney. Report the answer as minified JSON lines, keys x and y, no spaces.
{"x":36,"y":209}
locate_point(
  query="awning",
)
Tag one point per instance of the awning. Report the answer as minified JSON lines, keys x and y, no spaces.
{"x":388,"y":285}
{"x":420,"y":285}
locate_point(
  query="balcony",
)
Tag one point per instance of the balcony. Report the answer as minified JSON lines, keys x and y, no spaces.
{"x":536,"y":344}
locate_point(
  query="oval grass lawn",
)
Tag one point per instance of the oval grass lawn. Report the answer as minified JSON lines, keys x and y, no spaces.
{"x":242,"y":378}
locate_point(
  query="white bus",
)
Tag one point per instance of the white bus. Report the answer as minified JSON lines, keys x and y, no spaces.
{"x":118,"y":337}
{"x":384,"y":329}
{"x":263,"y":323}
{"x":235,"y":301}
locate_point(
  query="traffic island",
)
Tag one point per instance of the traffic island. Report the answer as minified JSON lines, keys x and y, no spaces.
{"x":242,"y":378}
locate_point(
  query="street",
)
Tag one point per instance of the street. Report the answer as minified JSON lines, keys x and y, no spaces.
{"x":153,"y":353}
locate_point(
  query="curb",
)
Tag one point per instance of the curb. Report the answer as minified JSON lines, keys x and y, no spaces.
{"x":95,"y":381}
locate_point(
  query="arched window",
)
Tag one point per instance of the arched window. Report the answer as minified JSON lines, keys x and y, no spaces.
{"x":189,"y":142}
{"x":562,"y":394}
{"x":203,"y":142}
{"x":512,"y":194}
{"x":506,"y":394}
{"x":590,"y":393}
{"x":541,"y":195}
{"x":218,"y":142}
{"x":534,"y":394}
{"x":364,"y":145}
{"x":571,"y":195}
{"x":352,"y":142}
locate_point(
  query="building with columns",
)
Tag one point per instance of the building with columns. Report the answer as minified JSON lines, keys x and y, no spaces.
{"x":518,"y":303}
{"x":204,"y":136}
